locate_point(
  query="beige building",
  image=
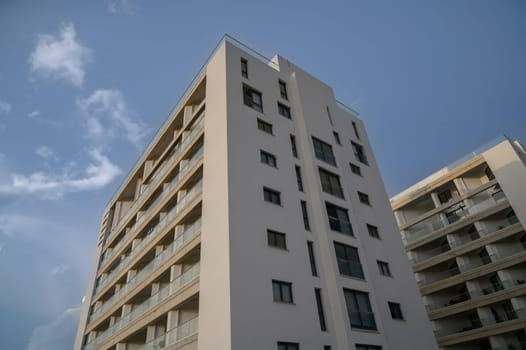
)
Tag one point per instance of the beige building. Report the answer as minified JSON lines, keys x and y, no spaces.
{"x":463,"y":229}
{"x":256,"y":219}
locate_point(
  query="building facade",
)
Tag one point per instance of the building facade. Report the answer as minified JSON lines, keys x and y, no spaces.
{"x":463,"y":229}
{"x":256,"y":219}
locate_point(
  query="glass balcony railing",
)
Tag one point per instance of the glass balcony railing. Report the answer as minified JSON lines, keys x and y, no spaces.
{"x":350,"y":268}
{"x":437,"y":276}
{"x":362,"y":320}
{"x":139,"y":310}
{"x":512,"y":346}
{"x":145,"y":271}
{"x":183,"y":172}
{"x":481,"y":322}
{"x":173,"y":336}
{"x":161,"y":171}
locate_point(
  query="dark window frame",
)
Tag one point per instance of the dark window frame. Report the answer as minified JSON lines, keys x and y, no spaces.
{"x":355,"y":169}
{"x":293,"y":146}
{"x":244,"y":68}
{"x":359,"y":153}
{"x":268,"y":158}
{"x":280,"y":294}
{"x":276,"y":239}
{"x":299,"y":179}
{"x":373,"y":231}
{"x":337,"y":138}
{"x":364,"y":198}
{"x":383,"y":268}
{"x":349,"y":263}
{"x":265,"y":126}
{"x":359,"y":309}
{"x":395,"y":309}
{"x":271,"y":196}
{"x":248,"y":98}
{"x":321,"y":312}
{"x":305,"y":215}
{"x":323,"y":151}
{"x":283,"y":90}
{"x":283,"y":345}
{"x":312,"y":258}
{"x":284,"y":110}
{"x":330,"y":183}
{"x":338,"y":219}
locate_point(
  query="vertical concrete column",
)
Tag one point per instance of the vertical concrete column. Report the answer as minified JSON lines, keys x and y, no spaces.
{"x":155,"y":288}
{"x":97,"y":305}
{"x":172,"y":320}
{"x":498,"y":342}
{"x":120,"y":346}
{"x":486,"y":316}
{"x":179,"y":229}
{"x":181,"y":194}
{"x":126,"y":308}
{"x":519,"y":303}
{"x":461,"y":186}
{"x":400,"y":218}
{"x":187,"y":114}
{"x":434,"y":198}
{"x":118,"y":287}
{"x":175,"y":271}
{"x":158,"y":250}
{"x":135,"y":242}
{"x":150,"y":333}
{"x":138,"y":187}
{"x":91,"y":336}
{"x":113,"y":319}
{"x":131,"y":274}
{"x":474,"y":288}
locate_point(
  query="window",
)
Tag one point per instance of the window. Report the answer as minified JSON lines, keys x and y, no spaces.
{"x":355,"y":129}
{"x":364,"y":198}
{"x":284,"y":110}
{"x":282,"y":291}
{"x":323,"y":151}
{"x":359,"y":153}
{"x":288,"y":346}
{"x":310,"y":248}
{"x":283,"y":90}
{"x":355,"y":169}
{"x":383,"y":267}
{"x":327,"y":347}
{"x":329,"y":114}
{"x":496,"y":283}
{"x":264,"y":126}
{"x":271,"y":196}
{"x":268,"y":159}
{"x":338,"y":219}
{"x":305,"y":215}
{"x":336,"y":137}
{"x":512,"y":218}
{"x":368,"y":347}
{"x":276,"y":239}
{"x":359,"y":309}
{"x":509,"y":310}
{"x":523,"y":241}
{"x":321,"y":313}
{"x":293,"y":146}
{"x":252,"y":98}
{"x":489,"y":174}
{"x":298,"y":178}
{"x":396,"y":311}
{"x":244,"y":68}
{"x":330,"y":183}
{"x":373,"y":231}
{"x":444,"y":196}
{"x":348,"y":260}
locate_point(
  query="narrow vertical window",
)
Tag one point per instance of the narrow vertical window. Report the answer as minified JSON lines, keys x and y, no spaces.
{"x":244,"y":68}
{"x":336,"y":138}
{"x":319,"y":304}
{"x":329,"y":114}
{"x":293,"y":146}
{"x":312,"y":259}
{"x":355,"y":129}
{"x":299,"y":179}
{"x":359,"y":153}
{"x":283,"y":90}
{"x":305,"y":214}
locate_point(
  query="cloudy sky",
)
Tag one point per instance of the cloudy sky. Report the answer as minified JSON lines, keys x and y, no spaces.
{"x":84,"y":86}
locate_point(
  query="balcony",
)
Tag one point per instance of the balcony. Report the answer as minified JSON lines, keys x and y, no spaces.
{"x":350,"y":268}
{"x":362,"y":320}
{"x":173,"y":336}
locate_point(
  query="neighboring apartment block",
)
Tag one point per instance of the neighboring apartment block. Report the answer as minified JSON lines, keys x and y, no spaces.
{"x":463,"y":229}
{"x":256,"y":219}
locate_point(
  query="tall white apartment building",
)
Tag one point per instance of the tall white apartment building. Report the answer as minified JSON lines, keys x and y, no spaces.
{"x":463,"y":229}
{"x":256,"y":219}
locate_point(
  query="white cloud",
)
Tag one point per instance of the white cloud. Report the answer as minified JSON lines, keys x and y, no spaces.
{"x":60,"y":269}
{"x":106,"y":112}
{"x":97,"y":175}
{"x":122,"y":7}
{"x":5,"y":107}
{"x":59,"y":334}
{"x":46,"y":153}
{"x":34,"y":114}
{"x":60,"y":58}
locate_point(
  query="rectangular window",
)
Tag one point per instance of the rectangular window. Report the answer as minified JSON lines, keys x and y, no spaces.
{"x":299,"y":179}
{"x":348,"y":260}
{"x":244,"y":68}
{"x":283,"y":90}
{"x":305,"y":215}
{"x":336,"y":138}
{"x":355,"y":169}
{"x":310,"y":248}
{"x":271,"y":196}
{"x":321,"y":313}
{"x":264,"y":126}
{"x":276,"y":239}
{"x":444,"y":196}
{"x":489,"y":174}
{"x":329,"y":114}
{"x":359,"y":153}
{"x":359,"y":309}
{"x":282,"y":291}
{"x":355,"y":129}
{"x":338,"y":219}
{"x":373,"y":231}
{"x":368,"y":347}
{"x":330,"y":183}
{"x":396,"y":311}
{"x":327,"y":347}
{"x":284,"y":110}
{"x":252,"y":98}
{"x":268,"y":159}
{"x":323,"y":151}
{"x":364,"y":198}
{"x":383,"y":267}
{"x":288,"y":346}
{"x":293,"y":146}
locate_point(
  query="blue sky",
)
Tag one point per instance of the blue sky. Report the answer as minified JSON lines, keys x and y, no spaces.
{"x":84,"y":86}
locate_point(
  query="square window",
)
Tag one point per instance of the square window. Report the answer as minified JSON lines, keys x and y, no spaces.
{"x":364,"y":198}
{"x":284,"y":110}
{"x":244,"y":68}
{"x":264,"y":126}
{"x":359,"y":309}
{"x":338,"y":219}
{"x":268,"y":159}
{"x":336,"y":138}
{"x":283,"y":90}
{"x":330,"y":183}
{"x":383,"y":267}
{"x":348,"y":260}
{"x":282,"y":291}
{"x":323,"y":151}
{"x":373,"y":231}
{"x":271,"y":196}
{"x":288,"y":346}
{"x":359,"y":153}
{"x":252,"y":98}
{"x":276,"y":239}
{"x":356,"y":169}
{"x":396,"y":311}
{"x":444,"y":196}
